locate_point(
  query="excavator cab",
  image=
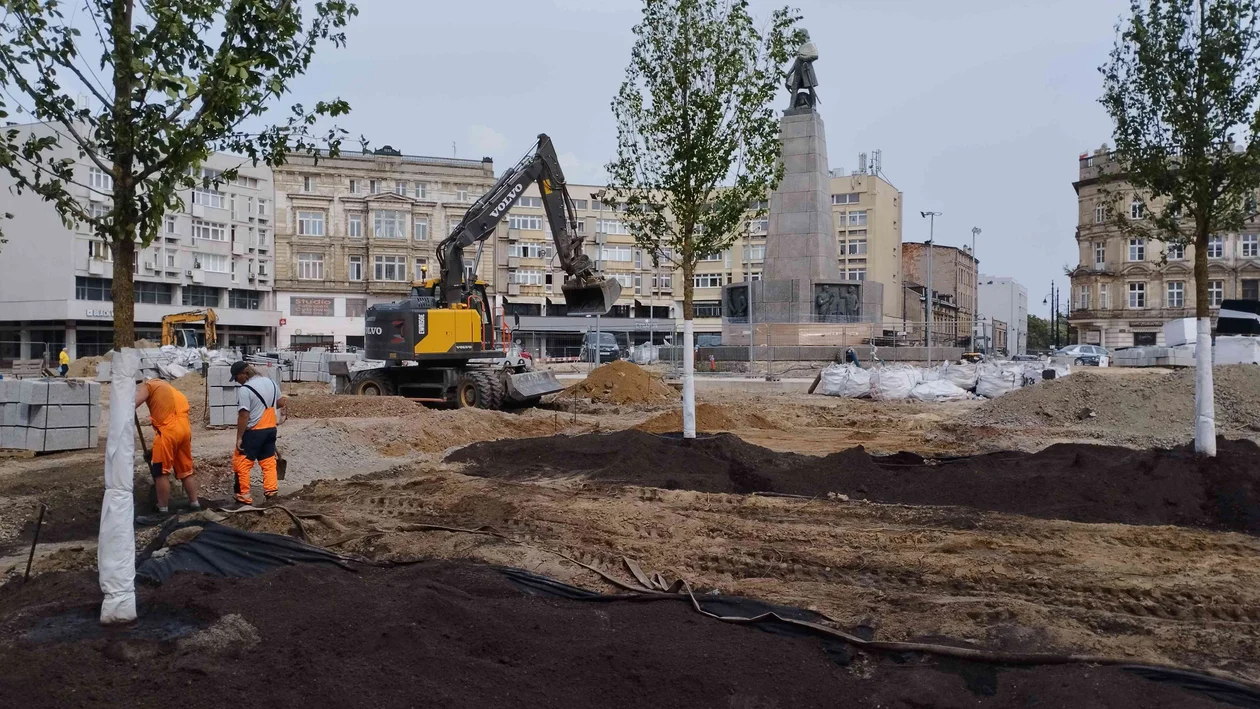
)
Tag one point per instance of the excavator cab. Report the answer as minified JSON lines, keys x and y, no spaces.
{"x":595,"y":298}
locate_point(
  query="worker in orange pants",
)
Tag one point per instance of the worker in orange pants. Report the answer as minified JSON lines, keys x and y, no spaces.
{"x":257,"y":400}
{"x":172,"y":444}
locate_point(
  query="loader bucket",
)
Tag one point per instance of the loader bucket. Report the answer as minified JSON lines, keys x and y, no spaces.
{"x":592,"y":298}
{"x":530,"y":385}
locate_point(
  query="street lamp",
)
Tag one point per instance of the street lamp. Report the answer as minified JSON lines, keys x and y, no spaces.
{"x":927,"y":300}
{"x":975,"y":287}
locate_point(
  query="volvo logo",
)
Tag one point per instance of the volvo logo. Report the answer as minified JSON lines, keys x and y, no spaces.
{"x":508,"y":199}
{"x":374,"y":331}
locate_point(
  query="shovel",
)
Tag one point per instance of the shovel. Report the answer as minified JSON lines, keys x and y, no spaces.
{"x":282,"y":465}
{"x":148,"y":461}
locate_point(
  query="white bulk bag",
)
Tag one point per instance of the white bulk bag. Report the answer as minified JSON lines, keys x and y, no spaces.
{"x":962,"y":376}
{"x":939,"y":390}
{"x":994,"y":380}
{"x":847,"y":380}
{"x":895,"y":382}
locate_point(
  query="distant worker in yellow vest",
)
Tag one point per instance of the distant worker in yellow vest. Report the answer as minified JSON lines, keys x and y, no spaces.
{"x":172,"y":444}
{"x":64,"y":360}
{"x":257,"y":400}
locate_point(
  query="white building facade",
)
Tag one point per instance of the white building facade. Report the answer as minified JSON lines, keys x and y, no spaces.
{"x":217,"y":253}
{"x":1003,"y":299}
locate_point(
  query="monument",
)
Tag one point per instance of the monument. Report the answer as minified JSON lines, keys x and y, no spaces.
{"x":801,"y":281}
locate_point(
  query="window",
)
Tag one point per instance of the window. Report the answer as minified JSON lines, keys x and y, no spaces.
{"x":262,"y":268}
{"x":153,"y":293}
{"x":356,"y":307}
{"x":244,"y":299}
{"x":1100,"y":255}
{"x":579,"y":204}
{"x":356,"y":186}
{"x":100,"y":180}
{"x":422,"y":265}
{"x":262,"y":238}
{"x":1137,"y":210}
{"x":170,"y":258}
{"x":390,"y":268}
{"x":420,"y":228}
{"x":355,"y":268}
{"x":400,"y":188}
{"x":525,"y":221}
{"x":1176,"y":252}
{"x":850,"y":198}
{"x":528,"y":277}
{"x":310,"y":223}
{"x":461,"y":194}
{"x":706,"y":280}
{"x":210,"y":231}
{"x":1082,"y":298}
{"x":355,"y":225}
{"x":1248,"y":246}
{"x":310,"y":267}
{"x":765,"y":203}
{"x":1176,"y":294}
{"x":1250,"y":289}
{"x":100,"y":251}
{"x":1137,"y":295}
{"x":212,"y":263}
{"x":1216,"y":293}
{"x":528,"y":201}
{"x":1103,"y":300}
{"x":617,"y":253}
{"x":625,"y":279}
{"x":207,"y":197}
{"x":308,"y":183}
{"x":856,"y":247}
{"x":527,"y":250}
{"x":169,"y":225}
{"x":388,"y":224}
{"x":92,"y":288}
{"x":857,"y":218}
{"x":857,"y":274}
{"x":707,"y":309}
{"x":755,"y":252}
{"x":759,"y":226}
{"x":1100,"y":213}
{"x":374,"y":186}
{"x":201,"y":296}
{"x":580,"y":226}
{"x":421,"y":190}
{"x":1216,"y":246}
{"x":1137,"y":249}
{"x":611,"y":226}
{"x":662,"y":282}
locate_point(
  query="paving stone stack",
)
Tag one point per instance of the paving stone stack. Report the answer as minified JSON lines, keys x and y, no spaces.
{"x":222,"y":392}
{"x":50,"y":414}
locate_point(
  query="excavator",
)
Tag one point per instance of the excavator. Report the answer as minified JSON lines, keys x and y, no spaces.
{"x":185,"y":337}
{"x":441,"y":344}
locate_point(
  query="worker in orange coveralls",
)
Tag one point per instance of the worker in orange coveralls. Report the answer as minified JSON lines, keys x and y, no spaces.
{"x":172,"y":444}
{"x":257,"y":400}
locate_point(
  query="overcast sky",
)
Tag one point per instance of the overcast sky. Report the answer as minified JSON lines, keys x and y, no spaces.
{"x":980,"y":107}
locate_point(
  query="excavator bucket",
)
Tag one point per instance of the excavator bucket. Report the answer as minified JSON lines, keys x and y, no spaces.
{"x":592,"y":298}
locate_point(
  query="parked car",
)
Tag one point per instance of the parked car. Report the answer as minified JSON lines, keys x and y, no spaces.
{"x":1025,"y":358}
{"x":609,"y":350}
{"x":1089,"y":355}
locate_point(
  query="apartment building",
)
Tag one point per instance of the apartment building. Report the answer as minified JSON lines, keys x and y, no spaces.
{"x":217,"y":252}
{"x":356,"y":230}
{"x":1003,"y":315}
{"x":1124,"y":287}
{"x":953,"y":290}
{"x":866,"y":213}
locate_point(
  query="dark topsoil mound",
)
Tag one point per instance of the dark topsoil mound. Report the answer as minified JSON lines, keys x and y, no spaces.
{"x":1081,"y":483}
{"x":458,"y":635}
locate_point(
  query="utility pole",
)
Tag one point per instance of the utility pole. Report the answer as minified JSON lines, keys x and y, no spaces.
{"x":927,"y":308}
{"x":752,"y":339}
{"x":599,"y":267}
{"x":975,"y":286}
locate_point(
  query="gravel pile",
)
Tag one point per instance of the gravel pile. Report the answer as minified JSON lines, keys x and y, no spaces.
{"x":1158,"y":405}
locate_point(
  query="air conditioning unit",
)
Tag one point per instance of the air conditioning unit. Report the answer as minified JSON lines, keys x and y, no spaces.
{"x":148,"y":266}
{"x":188,"y":274}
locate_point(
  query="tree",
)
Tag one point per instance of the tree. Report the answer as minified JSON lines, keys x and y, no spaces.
{"x":697,"y":139}
{"x":1041,"y":335}
{"x":169,"y":99}
{"x":1181,"y":85}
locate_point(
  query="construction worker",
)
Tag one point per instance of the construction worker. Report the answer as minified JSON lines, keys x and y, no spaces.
{"x":172,"y":444}
{"x":258,"y":399}
{"x":64,"y":360}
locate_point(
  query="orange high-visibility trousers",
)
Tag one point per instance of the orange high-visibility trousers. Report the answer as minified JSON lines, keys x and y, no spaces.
{"x":257,"y":444}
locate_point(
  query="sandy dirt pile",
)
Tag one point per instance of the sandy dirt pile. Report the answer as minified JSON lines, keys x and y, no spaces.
{"x":84,"y":367}
{"x":622,"y":382}
{"x":1159,"y":404}
{"x":710,"y":418}
{"x":321,"y":406}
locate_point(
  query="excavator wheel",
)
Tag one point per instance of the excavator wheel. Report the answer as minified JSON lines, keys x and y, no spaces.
{"x":371,"y":384}
{"x":481,"y":390}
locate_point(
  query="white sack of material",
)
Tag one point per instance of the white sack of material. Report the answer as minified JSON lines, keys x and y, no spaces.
{"x":994,"y":380}
{"x":847,"y":380}
{"x":894,"y":382}
{"x":962,"y":375}
{"x":939,"y":390}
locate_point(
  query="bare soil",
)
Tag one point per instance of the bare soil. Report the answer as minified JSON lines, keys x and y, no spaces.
{"x":621,"y":382}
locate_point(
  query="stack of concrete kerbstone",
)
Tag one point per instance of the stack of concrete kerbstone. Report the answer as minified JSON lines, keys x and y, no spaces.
{"x":50,"y":414}
{"x":222,"y":392}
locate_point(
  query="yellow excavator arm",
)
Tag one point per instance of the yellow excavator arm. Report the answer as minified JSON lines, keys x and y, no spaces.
{"x":207,"y":316}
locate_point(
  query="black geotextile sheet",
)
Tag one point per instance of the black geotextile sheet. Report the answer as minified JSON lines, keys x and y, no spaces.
{"x":224,"y":551}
